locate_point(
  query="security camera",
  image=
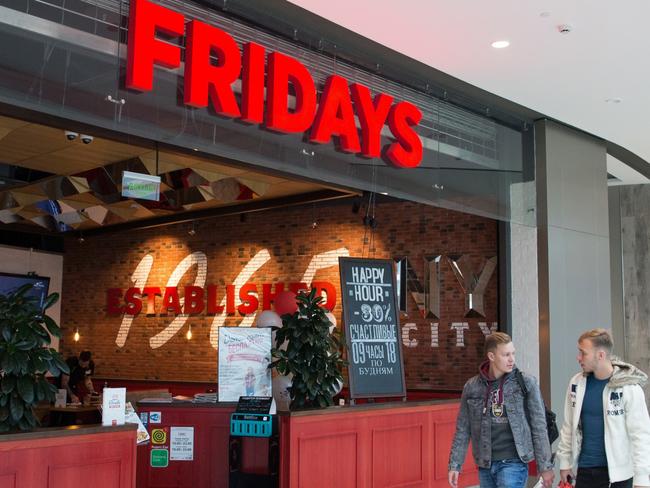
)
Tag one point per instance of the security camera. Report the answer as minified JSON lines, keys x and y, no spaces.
{"x":71,"y":136}
{"x":86,"y":139}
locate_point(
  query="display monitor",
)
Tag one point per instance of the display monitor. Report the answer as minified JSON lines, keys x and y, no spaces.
{"x":40,"y":285}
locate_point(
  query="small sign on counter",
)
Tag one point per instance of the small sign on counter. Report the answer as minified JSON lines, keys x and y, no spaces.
{"x":159,"y":458}
{"x":181,"y":444}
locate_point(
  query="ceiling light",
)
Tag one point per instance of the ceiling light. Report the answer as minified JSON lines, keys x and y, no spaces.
{"x":500,"y":44}
{"x":564,"y":28}
{"x":614,"y":100}
{"x":545,"y":14}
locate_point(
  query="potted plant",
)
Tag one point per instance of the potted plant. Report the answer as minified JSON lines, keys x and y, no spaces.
{"x":312,"y":355}
{"x":25,"y":358}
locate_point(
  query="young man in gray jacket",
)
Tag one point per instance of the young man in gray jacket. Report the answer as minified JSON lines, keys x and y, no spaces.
{"x":507,"y":427}
{"x":605,"y":437}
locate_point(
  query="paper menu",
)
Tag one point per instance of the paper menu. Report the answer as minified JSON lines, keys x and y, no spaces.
{"x":113,"y":406}
{"x":132,"y":417}
{"x":60,"y":398}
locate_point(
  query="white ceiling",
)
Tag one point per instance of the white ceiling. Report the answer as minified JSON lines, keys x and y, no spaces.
{"x":568,"y":77}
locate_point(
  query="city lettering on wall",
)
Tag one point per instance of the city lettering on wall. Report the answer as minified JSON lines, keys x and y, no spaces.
{"x":263,"y":81}
{"x":239,"y":297}
{"x":427,"y":296}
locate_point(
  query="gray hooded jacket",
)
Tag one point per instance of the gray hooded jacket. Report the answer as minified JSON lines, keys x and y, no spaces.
{"x":525,"y":413}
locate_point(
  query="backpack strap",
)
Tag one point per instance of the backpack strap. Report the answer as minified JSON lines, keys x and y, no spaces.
{"x":522,"y":383}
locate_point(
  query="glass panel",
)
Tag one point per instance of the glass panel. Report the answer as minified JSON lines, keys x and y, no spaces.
{"x":68,"y":65}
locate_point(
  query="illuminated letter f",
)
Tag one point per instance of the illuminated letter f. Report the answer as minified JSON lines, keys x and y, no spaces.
{"x":145,"y":20}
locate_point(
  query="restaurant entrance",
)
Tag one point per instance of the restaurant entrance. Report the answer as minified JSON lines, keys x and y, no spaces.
{"x":265,"y":181}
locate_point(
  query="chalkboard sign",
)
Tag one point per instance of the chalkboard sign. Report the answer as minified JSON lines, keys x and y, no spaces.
{"x":372,"y":332}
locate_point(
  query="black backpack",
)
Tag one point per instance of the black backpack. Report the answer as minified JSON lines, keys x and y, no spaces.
{"x":551,"y":423}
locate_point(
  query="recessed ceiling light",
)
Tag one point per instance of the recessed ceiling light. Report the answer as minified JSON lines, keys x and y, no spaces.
{"x":500,"y":44}
{"x":614,"y":100}
{"x":545,"y":14}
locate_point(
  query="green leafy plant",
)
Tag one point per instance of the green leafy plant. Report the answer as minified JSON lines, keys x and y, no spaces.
{"x":25,"y":358}
{"x":312,"y":354}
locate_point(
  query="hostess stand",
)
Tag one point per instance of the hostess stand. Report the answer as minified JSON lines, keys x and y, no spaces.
{"x":253,"y":418}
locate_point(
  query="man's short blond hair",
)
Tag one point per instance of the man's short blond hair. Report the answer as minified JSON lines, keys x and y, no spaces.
{"x":494,"y":340}
{"x":600,"y":338}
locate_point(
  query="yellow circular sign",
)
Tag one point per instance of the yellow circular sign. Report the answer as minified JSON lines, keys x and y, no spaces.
{"x":158,"y":436}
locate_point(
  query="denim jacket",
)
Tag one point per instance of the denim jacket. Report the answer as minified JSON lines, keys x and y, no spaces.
{"x":473,"y":423}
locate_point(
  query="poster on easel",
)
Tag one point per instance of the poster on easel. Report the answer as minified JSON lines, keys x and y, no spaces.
{"x":371,"y":321}
{"x":244,"y":357}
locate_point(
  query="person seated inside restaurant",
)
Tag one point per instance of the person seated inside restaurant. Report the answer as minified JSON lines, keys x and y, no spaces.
{"x":79,"y":383}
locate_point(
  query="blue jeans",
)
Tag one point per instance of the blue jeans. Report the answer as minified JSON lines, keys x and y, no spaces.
{"x":508,"y":473}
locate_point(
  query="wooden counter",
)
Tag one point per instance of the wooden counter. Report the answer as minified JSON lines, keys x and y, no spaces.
{"x":89,"y":455}
{"x":403,"y":444}
{"x":396,"y":444}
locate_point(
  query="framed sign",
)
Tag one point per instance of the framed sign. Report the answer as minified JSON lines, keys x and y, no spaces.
{"x":371,"y":320}
{"x":244,"y":356}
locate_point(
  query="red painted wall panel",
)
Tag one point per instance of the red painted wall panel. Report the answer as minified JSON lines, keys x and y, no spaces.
{"x":387,"y":447}
{"x":327,"y":459}
{"x":384,"y":446}
{"x":209,"y":469}
{"x":105,"y":460}
{"x":393,"y":466}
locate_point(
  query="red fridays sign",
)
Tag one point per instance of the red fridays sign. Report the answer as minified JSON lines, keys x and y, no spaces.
{"x":331,"y":116}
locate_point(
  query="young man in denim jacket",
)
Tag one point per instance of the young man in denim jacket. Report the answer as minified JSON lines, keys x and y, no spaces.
{"x":605,"y":438}
{"x":507,"y":427}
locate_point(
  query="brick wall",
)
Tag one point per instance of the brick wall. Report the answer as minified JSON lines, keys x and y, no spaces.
{"x":405,"y":229}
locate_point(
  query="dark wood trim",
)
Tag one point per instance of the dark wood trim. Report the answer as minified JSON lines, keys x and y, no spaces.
{"x":71,"y":430}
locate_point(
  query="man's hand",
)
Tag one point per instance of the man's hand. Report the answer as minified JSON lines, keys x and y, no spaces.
{"x":74,"y":399}
{"x":564,"y":474}
{"x":547,"y":478}
{"x":453,"y":478}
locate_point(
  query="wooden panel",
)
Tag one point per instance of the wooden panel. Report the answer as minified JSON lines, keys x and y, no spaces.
{"x":397,"y":457}
{"x":358,"y":447}
{"x":396,"y":446}
{"x":31,"y":140}
{"x":218,"y":442}
{"x":444,"y":434}
{"x":328,"y":460}
{"x":209,"y":468}
{"x":8,"y":480}
{"x":105,"y":460}
{"x":100,"y":475}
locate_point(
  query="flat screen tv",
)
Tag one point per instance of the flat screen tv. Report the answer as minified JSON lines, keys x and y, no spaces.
{"x":41,"y":284}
